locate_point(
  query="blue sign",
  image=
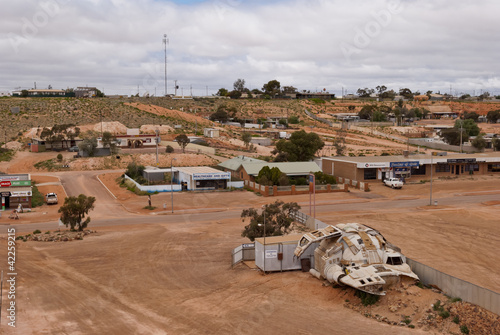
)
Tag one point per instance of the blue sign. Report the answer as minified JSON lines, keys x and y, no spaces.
{"x":311,"y":178}
{"x":405,"y":164}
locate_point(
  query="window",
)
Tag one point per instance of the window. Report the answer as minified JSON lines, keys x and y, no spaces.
{"x":443,"y":168}
{"x":370,"y":174}
{"x":418,"y":171}
{"x":394,"y":260}
{"x":493,"y":167}
{"x":472,"y":167}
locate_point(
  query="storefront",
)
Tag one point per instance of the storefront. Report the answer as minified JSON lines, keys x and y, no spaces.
{"x":203,"y":178}
{"x":370,"y":168}
{"x":15,"y":190}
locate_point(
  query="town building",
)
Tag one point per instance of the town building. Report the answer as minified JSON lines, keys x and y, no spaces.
{"x":15,"y":190}
{"x":44,"y":93}
{"x":411,"y":167}
{"x":196,"y":178}
{"x":86,"y":92}
{"x":246,"y":168}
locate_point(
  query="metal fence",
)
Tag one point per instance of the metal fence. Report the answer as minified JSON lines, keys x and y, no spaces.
{"x":318,"y":118}
{"x":455,"y":287}
{"x":244,"y":252}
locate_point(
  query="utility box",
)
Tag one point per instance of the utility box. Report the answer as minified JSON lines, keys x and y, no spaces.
{"x":277,"y":253}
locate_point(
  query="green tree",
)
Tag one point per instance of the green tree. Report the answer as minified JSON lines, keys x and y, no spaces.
{"x":496,"y":144}
{"x":301,"y":146}
{"x":469,"y":127}
{"x":406,"y":93}
{"x":381,"y":89}
{"x":183,"y":141}
{"x":340,"y":141}
{"x":134,"y":170}
{"x":471,"y":115}
{"x":272,"y":176}
{"x":324,"y":179}
{"x":293,"y":119}
{"x":479,"y":143}
{"x":365,"y":92}
{"x":99,"y":94}
{"x":222,"y":92}
{"x":234,"y":94}
{"x":277,"y":220}
{"x":289,"y":90}
{"x":239,"y":85}
{"x":493,"y":116}
{"x":272,"y":88}
{"x":108,"y":141}
{"x":74,"y":210}
{"x":452,"y":136}
{"x":378,"y":116}
{"x":367,"y":111}
{"x":89,"y":146}
{"x":220,"y":115}
{"x":246,"y":138}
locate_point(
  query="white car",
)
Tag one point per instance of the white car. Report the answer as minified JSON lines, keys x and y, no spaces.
{"x":393,"y":182}
{"x":51,"y":199}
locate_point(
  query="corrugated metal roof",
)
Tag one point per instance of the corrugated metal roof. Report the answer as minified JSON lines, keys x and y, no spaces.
{"x":386,"y":159}
{"x":234,"y":163}
{"x":280,"y":239}
{"x":198,"y":169}
{"x":289,"y":168}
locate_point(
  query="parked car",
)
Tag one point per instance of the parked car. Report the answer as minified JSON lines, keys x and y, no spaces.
{"x":393,"y":182}
{"x":74,"y":149}
{"x":51,"y":199}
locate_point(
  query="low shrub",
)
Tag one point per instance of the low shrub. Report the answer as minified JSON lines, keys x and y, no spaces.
{"x":367,"y":299}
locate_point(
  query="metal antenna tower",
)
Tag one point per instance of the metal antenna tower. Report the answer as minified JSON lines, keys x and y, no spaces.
{"x":165,"y":42}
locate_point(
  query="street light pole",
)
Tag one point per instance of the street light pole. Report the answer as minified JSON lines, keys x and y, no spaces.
{"x":172,"y":182}
{"x":430,"y":201}
{"x":264,"y":208}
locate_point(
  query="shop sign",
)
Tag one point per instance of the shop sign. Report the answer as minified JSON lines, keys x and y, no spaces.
{"x":21,"y":194}
{"x":5,"y":183}
{"x":461,"y":160}
{"x":372,"y":165}
{"x":20,"y":183}
{"x":5,"y":194}
{"x":3,"y":178}
{"x":405,"y":164}
{"x":211,"y":176}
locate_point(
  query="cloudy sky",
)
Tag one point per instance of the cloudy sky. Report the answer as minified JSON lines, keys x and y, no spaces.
{"x":117,"y":46}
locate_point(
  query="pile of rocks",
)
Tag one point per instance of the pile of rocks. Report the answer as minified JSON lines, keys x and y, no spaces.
{"x":56,"y":236}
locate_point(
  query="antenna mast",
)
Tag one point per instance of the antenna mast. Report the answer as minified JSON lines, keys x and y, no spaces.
{"x":165,"y":42}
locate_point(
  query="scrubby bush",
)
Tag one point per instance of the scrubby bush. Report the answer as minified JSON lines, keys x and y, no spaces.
{"x":367,"y":299}
{"x":169,"y":149}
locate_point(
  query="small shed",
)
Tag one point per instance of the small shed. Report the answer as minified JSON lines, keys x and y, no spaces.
{"x":203,"y":178}
{"x":211,"y":132}
{"x":276,"y":253}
